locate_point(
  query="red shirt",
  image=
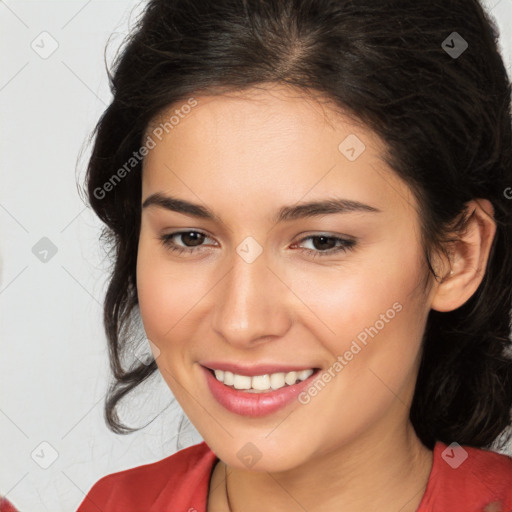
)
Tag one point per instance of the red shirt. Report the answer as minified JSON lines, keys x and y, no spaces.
{"x":6,"y":505}
{"x":482,"y":482}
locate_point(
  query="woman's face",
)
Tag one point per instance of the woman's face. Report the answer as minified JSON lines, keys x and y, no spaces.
{"x":331,"y":288}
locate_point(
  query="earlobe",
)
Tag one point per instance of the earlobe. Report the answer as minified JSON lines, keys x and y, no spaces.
{"x":468,"y":260}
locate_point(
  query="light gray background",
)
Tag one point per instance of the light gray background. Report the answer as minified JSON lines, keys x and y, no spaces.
{"x":54,"y":365}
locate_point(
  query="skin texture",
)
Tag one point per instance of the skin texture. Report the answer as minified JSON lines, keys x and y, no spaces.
{"x":244,"y":156}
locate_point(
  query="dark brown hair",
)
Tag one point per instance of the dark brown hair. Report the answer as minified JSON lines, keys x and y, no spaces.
{"x":445,"y":118}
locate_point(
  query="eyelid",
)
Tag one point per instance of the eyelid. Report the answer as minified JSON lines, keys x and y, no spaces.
{"x":326,"y":234}
{"x":347,"y":243}
{"x":166,"y":240}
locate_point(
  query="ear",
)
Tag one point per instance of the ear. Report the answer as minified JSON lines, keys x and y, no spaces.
{"x":468,"y":259}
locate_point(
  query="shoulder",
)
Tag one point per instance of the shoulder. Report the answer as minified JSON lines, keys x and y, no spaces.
{"x":177,"y":479}
{"x":468,"y":479}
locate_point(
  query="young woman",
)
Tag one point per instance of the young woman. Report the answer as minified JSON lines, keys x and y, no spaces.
{"x":309,"y":204}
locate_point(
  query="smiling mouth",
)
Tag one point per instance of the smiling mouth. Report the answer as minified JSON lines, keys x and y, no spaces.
{"x":262,"y":383}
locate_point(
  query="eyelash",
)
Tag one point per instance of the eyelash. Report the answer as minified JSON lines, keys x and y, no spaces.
{"x":347,"y":244}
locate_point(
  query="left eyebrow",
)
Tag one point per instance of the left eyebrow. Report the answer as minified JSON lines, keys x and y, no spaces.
{"x":325,"y":207}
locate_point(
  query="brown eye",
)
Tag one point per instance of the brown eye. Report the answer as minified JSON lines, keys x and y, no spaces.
{"x":325,"y":245}
{"x":183,"y":241}
{"x":192,"y":238}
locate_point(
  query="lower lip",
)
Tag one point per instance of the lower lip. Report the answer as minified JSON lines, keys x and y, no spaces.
{"x":254,"y":404}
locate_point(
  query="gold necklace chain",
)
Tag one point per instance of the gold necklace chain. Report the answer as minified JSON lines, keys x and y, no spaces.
{"x":226,"y":486}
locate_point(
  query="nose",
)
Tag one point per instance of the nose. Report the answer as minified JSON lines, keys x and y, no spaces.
{"x":251,"y":304}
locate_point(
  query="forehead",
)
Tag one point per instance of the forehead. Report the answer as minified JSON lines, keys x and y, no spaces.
{"x":265,"y":145}
{"x":273,"y":114}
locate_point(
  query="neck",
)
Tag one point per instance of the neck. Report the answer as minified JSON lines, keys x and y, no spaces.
{"x":386,"y":475}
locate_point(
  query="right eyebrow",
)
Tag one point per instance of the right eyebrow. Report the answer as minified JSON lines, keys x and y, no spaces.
{"x":179,"y":205}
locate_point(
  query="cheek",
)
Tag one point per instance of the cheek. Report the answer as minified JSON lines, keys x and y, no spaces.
{"x":170,"y":296}
{"x":157,"y":288}
{"x":372,"y":311}
{"x":371,"y":322}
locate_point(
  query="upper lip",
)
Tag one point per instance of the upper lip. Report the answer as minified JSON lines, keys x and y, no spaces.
{"x":258,"y":369}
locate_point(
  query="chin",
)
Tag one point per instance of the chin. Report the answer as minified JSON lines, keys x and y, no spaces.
{"x":259,"y":454}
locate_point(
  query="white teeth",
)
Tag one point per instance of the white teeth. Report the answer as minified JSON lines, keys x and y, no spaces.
{"x":277,"y":380}
{"x":291,"y":378}
{"x":242,"y":382}
{"x":228,"y":378}
{"x":304,"y":374}
{"x":262,"y":382}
